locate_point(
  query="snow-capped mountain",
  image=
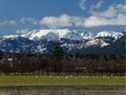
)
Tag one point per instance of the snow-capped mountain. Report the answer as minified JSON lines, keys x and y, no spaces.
{"x":70,"y":40}
{"x":115,"y":35}
{"x":97,"y":42}
{"x":39,"y":34}
{"x":60,"y":33}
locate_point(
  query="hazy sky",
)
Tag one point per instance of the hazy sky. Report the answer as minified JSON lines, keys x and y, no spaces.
{"x":25,"y":15}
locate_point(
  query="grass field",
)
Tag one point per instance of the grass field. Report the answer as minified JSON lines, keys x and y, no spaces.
{"x":61,"y":80}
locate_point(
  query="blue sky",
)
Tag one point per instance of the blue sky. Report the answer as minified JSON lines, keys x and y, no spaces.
{"x":38,"y":8}
{"x":25,"y":15}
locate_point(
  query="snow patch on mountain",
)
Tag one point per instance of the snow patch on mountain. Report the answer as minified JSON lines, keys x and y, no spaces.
{"x":39,"y":34}
{"x":73,"y":36}
{"x":115,"y":35}
{"x":96,"y":42}
{"x":9,"y":36}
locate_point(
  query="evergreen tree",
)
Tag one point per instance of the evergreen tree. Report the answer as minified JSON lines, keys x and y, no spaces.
{"x":57,"y":50}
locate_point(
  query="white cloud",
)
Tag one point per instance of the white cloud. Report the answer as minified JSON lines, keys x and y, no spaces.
{"x":101,"y":21}
{"x":92,"y":21}
{"x":121,"y":8}
{"x":28,"y":20}
{"x":109,"y":17}
{"x":93,"y":7}
{"x":114,"y":15}
{"x":61,"y":21}
{"x":112,"y":11}
{"x":82,"y":4}
{"x":22,"y":22}
{"x":8,"y":23}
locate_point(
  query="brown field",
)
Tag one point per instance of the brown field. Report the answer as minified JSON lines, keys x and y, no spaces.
{"x":68,"y":90}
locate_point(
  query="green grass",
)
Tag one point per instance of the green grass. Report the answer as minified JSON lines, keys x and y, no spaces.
{"x":61,"y":80}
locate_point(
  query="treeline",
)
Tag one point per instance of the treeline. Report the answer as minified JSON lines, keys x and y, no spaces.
{"x":66,"y":64}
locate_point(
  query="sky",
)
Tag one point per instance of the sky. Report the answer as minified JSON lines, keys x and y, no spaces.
{"x":18,"y":16}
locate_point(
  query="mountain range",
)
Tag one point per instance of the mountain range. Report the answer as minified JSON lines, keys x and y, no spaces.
{"x":71,"y":41}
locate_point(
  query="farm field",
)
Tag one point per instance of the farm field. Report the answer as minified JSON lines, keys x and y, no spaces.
{"x":65,"y":90}
{"x":31,"y":80}
{"x":62,"y":85}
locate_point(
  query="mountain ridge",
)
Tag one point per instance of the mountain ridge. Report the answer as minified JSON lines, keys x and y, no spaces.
{"x":70,"y":41}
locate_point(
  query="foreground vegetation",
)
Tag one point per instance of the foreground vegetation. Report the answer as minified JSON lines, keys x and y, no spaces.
{"x":66,"y":64}
{"x":30,"y":80}
{"x":64,"y":70}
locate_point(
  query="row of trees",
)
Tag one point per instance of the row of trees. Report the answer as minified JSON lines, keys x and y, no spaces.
{"x":60,"y":63}
{"x":68,"y":64}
